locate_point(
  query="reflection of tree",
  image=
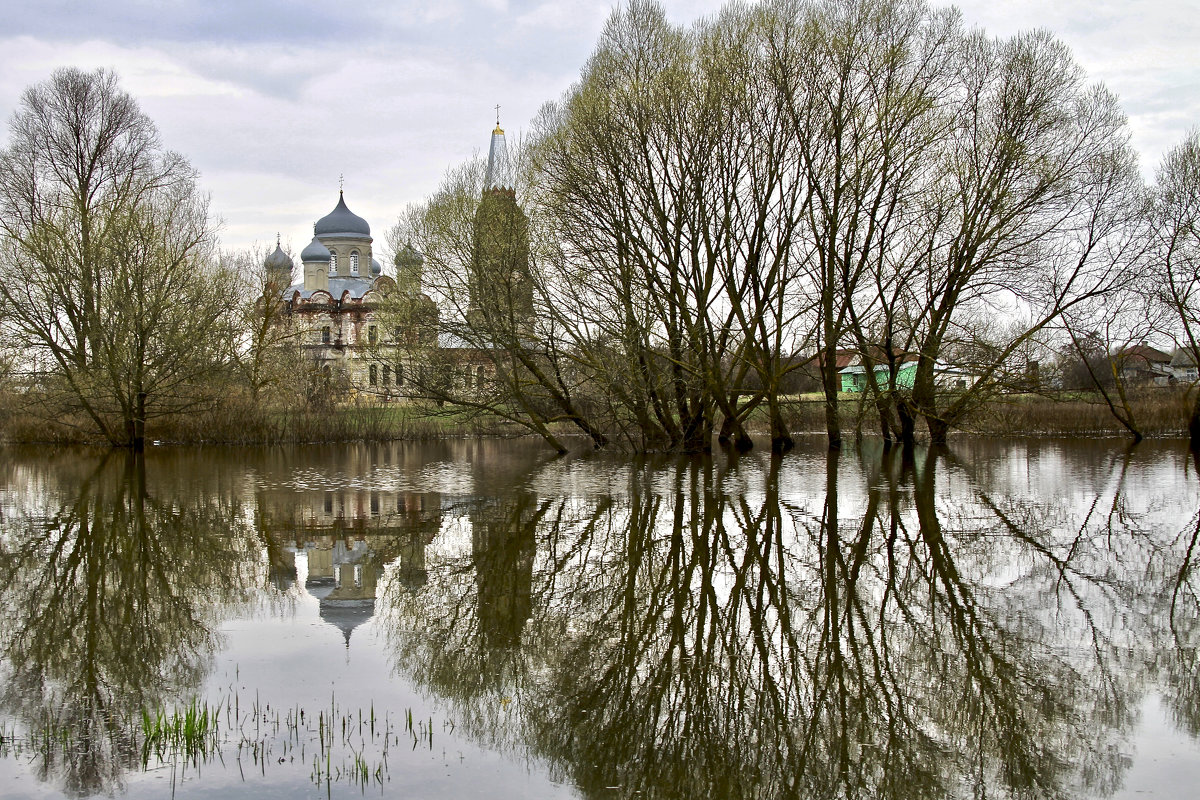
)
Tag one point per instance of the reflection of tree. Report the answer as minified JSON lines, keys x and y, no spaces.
{"x":471,"y":647}
{"x":903,"y":633}
{"x":1178,"y":651}
{"x":111,"y":602}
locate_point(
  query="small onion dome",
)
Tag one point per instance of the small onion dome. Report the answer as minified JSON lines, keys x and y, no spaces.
{"x":342,"y":221}
{"x":409,"y":257}
{"x":376,"y":268}
{"x":278,"y":260}
{"x":315,"y":252}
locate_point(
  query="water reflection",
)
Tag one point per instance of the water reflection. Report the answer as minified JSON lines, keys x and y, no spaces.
{"x":110,"y":600}
{"x":348,"y":535}
{"x":906,"y":630}
{"x":981,"y":622}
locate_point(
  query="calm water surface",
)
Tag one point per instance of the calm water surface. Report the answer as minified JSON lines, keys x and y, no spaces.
{"x":481,"y":619}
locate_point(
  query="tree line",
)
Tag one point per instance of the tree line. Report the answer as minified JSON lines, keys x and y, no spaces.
{"x":710,"y":212}
{"x":713,"y":208}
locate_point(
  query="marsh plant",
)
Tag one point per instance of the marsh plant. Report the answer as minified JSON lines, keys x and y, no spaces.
{"x":338,"y":745}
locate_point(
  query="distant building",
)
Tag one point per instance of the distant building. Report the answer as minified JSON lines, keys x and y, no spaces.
{"x":1183,"y":366}
{"x":500,"y":282}
{"x":854,"y":376}
{"x":334,"y":305}
{"x":1141,"y":364}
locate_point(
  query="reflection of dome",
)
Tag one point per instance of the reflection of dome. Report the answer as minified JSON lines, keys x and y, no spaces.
{"x":315,"y":252}
{"x":342,"y":221}
{"x":319,"y":587}
{"x":346,"y":615}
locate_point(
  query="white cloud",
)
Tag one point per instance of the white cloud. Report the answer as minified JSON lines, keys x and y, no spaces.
{"x":391,"y":94}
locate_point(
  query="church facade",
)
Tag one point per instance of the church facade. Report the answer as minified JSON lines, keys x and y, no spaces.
{"x":336,"y":313}
{"x":333,"y":309}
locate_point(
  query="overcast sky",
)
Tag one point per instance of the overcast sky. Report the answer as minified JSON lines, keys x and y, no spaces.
{"x":273,"y":100}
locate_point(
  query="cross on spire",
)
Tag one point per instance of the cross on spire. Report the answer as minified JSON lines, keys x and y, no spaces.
{"x":341,"y":183}
{"x":497,"y":115}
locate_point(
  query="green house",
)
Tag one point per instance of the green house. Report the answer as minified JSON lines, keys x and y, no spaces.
{"x":854,"y":378}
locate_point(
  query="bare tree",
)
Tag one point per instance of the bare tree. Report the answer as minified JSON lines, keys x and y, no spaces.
{"x":865,"y":86}
{"x":108,"y":279}
{"x":266,"y":356}
{"x":1031,"y":213}
{"x":489,"y":349}
{"x":1176,"y":262}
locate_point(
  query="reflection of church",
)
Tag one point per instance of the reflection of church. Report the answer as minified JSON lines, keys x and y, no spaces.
{"x":349,"y":537}
{"x":503,"y":549}
{"x":504,"y":522}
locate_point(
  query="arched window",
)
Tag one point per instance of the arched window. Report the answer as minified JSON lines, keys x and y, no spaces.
{"x":354,"y":263}
{"x":399,"y":375}
{"x":374,"y":375}
{"x":387,"y":375}
{"x":333,"y":263}
{"x":480,"y":377}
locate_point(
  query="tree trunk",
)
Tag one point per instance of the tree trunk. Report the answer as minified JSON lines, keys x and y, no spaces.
{"x":1194,"y":424}
{"x":829,"y":378}
{"x":733,"y":434}
{"x":883,"y":405}
{"x":781,"y":439}
{"x":139,"y":424}
{"x":908,"y":425}
{"x":939,"y":431}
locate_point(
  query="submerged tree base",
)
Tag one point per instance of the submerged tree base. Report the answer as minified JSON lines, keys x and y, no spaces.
{"x":1160,"y":413}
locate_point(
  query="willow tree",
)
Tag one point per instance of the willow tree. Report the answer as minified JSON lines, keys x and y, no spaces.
{"x":864,"y":86}
{"x":107,"y":273}
{"x":1176,"y":263}
{"x":1031,"y":212}
{"x":673,"y":188}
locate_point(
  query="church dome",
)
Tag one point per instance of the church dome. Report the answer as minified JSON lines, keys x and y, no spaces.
{"x":278,"y":260}
{"x":376,"y":268}
{"x":409,"y":257}
{"x":342,"y":221}
{"x":315,"y":252}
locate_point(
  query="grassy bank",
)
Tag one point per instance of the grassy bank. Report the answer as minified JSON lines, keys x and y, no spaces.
{"x":241,"y":422}
{"x":1158,"y":413}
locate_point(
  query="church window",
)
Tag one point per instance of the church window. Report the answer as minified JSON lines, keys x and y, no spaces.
{"x":387,"y":375}
{"x":372,"y":334}
{"x":374,"y":373}
{"x":399,"y":375}
{"x":354,"y":263}
{"x":325,"y":335}
{"x":480,"y":376}
{"x":333,"y":263}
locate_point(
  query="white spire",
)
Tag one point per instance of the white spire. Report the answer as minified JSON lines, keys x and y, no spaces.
{"x":499,"y":169}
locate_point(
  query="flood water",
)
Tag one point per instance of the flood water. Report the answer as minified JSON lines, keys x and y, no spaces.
{"x":482,"y":619}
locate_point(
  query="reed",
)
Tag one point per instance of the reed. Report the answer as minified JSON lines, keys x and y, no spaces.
{"x":340,"y":745}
